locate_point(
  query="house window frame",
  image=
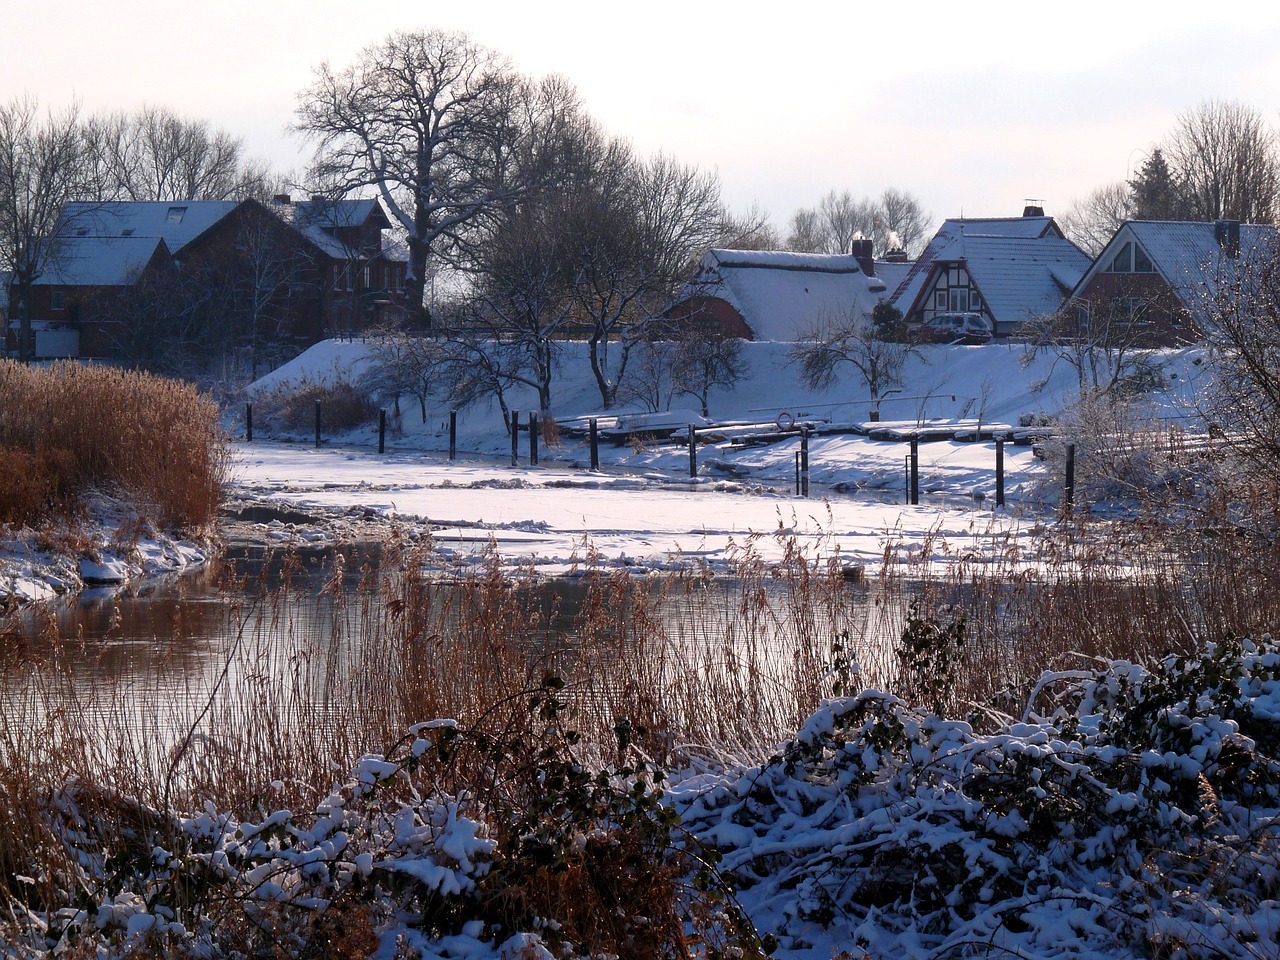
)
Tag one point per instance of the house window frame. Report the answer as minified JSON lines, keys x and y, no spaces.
{"x":57,"y":300}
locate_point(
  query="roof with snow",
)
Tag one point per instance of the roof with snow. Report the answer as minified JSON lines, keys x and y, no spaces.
{"x":1187,"y":254}
{"x":959,"y":227}
{"x":177,"y":222}
{"x":100,"y":261}
{"x":318,"y":219}
{"x":782,"y":296}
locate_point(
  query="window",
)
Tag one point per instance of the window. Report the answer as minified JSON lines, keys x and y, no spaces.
{"x":1131,"y":259}
{"x":56,"y":301}
{"x":366,"y":276}
{"x":1133,"y":310}
{"x":959,"y":299}
{"x":176,"y":214}
{"x":940,"y":300}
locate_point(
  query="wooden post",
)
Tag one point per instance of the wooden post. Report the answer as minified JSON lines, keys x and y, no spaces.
{"x":595,"y":445}
{"x":1070,"y":492}
{"x":906,"y":478}
{"x":804,"y":461}
{"x":317,"y":424}
{"x":797,"y":473}
{"x":915,"y":471}
{"x":533,"y":439}
{"x":999,"y":471}
{"x":515,"y":438}
{"x":693,"y":453}
{"x":248,"y":423}
{"x":382,"y":431}
{"x":453,"y":434}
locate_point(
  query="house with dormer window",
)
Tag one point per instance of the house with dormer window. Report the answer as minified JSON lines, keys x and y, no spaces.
{"x":1154,"y":280}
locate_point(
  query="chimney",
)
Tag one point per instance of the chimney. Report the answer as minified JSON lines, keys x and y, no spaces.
{"x":896,"y":255}
{"x":862,"y":249}
{"x":1033,"y":209}
{"x":282,"y":200}
{"x":1227,"y":233}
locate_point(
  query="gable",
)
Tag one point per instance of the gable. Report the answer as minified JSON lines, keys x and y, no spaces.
{"x":1186,"y":255}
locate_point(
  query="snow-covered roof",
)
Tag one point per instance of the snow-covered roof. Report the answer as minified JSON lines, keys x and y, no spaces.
{"x":955,"y":227}
{"x":1187,"y":254}
{"x":782,"y":295}
{"x":317,"y":220}
{"x":893,"y":272}
{"x":1020,"y":277}
{"x":99,"y":261}
{"x":177,"y":222}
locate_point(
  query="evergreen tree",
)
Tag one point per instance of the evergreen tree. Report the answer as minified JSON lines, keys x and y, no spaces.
{"x":1155,"y":195}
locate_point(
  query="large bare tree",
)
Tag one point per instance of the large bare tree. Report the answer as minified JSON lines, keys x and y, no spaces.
{"x":1222,"y":154}
{"x":421,"y":118}
{"x":43,"y":164}
{"x":895,"y":219}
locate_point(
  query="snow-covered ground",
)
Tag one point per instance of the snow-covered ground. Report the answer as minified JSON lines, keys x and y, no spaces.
{"x":641,"y":508}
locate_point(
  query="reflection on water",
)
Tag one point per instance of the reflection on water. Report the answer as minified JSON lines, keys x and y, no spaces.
{"x":302,"y":633}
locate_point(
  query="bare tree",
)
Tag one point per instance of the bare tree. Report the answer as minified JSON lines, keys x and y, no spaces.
{"x":155,"y":154}
{"x":852,"y":339}
{"x":43,"y":164}
{"x":901,"y":222}
{"x":895,"y":219}
{"x":748,"y":230}
{"x":1091,"y":222}
{"x":705,"y":359}
{"x":1223,"y":157}
{"x":1102,"y":342}
{"x":420,"y":117}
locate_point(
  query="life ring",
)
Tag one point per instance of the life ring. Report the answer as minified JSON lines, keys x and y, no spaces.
{"x":785,"y":420}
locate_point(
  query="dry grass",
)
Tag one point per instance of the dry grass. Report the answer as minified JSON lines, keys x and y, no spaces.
{"x":155,"y":441}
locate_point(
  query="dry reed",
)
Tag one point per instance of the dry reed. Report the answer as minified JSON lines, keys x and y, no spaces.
{"x":157,"y":442}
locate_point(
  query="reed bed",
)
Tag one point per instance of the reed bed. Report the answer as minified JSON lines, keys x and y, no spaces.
{"x":67,"y":427}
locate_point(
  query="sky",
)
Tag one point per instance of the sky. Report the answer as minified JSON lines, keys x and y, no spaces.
{"x":973,"y":108}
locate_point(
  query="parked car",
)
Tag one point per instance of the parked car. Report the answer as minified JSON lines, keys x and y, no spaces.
{"x":952,"y":328}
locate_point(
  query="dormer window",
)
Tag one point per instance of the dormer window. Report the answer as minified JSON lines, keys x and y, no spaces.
{"x":176,"y":214}
{"x":127,"y":233}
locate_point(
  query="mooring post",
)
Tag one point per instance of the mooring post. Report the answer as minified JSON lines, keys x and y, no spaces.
{"x":533,"y":439}
{"x":1070,"y":492}
{"x":693,"y":453}
{"x":915,"y":471}
{"x":515,"y":438}
{"x":999,"y":471}
{"x":595,"y":445}
{"x":248,"y":423}
{"x":382,"y":430}
{"x":804,"y":461}
{"x":797,"y":473}
{"x":317,"y":424}
{"x":453,"y":434}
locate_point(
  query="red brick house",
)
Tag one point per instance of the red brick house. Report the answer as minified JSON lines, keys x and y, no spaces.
{"x":278,"y":272}
{"x":1152,"y":283}
{"x":77,"y":301}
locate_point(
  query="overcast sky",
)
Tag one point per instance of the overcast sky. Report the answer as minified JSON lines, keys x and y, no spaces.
{"x":973,"y":107}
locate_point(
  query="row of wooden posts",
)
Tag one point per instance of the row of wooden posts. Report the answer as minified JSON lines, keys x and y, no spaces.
{"x":911,"y":466}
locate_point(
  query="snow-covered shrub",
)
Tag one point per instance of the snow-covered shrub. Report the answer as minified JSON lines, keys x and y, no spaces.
{"x":1139,"y":814}
{"x":531,"y":842}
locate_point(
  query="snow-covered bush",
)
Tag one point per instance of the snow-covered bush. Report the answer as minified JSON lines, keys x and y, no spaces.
{"x":1138,"y":816}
